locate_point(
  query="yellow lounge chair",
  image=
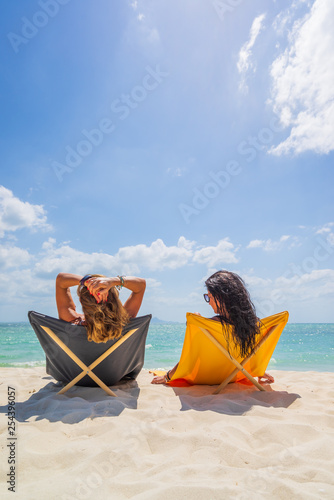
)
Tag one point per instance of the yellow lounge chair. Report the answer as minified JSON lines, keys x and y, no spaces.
{"x":207,"y":357}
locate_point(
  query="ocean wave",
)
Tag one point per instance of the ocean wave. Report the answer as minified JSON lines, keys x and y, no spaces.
{"x":27,"y":364}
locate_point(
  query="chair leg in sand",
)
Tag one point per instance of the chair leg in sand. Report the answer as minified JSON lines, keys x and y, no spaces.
{"x":234,"y":373}
{"x":233,"y":360}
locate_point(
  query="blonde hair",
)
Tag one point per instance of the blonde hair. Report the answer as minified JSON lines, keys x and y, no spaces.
{"x":104,"y":321}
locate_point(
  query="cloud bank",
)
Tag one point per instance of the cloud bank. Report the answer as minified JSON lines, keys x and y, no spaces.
{"x":244,"y":63}
{"x":16,"y":214}
{"x":302,"y":91}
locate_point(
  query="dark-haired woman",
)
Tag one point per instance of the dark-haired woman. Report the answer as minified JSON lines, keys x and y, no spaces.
{"x":104,"y":315}
{"x":232,"y":305}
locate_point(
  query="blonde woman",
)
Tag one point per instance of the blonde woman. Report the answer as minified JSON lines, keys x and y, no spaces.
{"x":104,"y":315}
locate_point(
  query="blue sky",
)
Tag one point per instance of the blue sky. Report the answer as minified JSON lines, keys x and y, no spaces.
{"x":168,"y":140}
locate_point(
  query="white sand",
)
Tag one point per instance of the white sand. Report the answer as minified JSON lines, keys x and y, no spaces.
{"x":156,"y":442}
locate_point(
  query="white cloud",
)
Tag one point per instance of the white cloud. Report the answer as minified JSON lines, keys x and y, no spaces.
{"x":269,"y":245}
{"x":285,"y":19}
{"x":16,"y":214}
{"x":292,"y":291}
{"x":132,"y":259}
{"x":153,"y":283}
{"x":128,"y":260}
{"x":157,"y":256}
{"x":68,"y":259}
{"x":20,"y":286}
{"x":303,"y":90}
{"x":244,"y":63}
{"x":327,"y":228}
{"x":256,"y":281}
{"x":312,"y":285}
{"x":11,"y":256}
{"x":223,"y":253}
{"x":256,"y":244}
{"x":184,"y":243}
{"x":327,"y":234}
{"x":177,"y":171}
{"x":330,"y":239}
{"x":141,"y":30}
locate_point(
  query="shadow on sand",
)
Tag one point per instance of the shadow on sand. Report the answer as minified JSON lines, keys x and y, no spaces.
{"x":77,"y":404}
{"x":235,"y":399}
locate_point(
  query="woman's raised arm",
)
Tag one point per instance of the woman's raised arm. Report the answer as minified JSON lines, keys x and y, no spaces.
{"x":65,"y":305}
{"x":101,"y":285}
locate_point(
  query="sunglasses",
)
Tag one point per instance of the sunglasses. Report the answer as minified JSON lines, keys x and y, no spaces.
{"x":206,"y":297}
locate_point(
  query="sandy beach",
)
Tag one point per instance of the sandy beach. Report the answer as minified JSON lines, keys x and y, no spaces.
{"x":158,"y":442}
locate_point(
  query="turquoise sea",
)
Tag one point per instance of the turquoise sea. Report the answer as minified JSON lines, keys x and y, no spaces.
{"x":302,"y":347}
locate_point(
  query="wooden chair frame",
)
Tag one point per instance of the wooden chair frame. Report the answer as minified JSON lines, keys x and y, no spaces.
{"x":87,"y":370}
{"x":239,"y":366}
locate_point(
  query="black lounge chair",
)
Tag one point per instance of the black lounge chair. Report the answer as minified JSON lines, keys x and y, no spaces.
{"x":71,"y":358}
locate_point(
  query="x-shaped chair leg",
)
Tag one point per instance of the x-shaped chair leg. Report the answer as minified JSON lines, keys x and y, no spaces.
{"x":87,"y":370}
{"x":239,"y":366}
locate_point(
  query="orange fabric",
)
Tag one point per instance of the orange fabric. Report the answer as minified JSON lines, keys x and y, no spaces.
{"x":202,"y":362}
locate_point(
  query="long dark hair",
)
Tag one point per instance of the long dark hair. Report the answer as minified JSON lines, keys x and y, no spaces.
{"x":234,"y":307}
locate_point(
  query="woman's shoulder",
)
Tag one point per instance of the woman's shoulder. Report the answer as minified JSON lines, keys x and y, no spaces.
{"x":215,"y":318}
